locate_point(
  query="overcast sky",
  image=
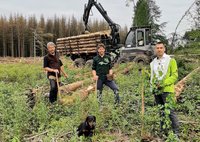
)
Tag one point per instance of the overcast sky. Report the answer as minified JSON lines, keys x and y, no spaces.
{"x":172,"y":10}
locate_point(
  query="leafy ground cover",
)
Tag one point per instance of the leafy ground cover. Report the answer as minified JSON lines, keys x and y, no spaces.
{"x":19,"y":122}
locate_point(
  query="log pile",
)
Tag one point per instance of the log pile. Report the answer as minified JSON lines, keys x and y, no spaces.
{"x":85,"y":43}
{"x":71,"y":87}
{"x":81,"y":94}
{"x":179,"y":87}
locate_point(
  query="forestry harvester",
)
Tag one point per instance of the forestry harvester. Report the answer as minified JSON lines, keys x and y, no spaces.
{"x":82,"y":48}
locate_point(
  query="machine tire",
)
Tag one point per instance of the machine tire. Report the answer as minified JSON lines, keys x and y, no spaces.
{"x":89,"y":63}
{"x":141,"y":59}
{"x":122,"y":60}
{"x":79,"y":62}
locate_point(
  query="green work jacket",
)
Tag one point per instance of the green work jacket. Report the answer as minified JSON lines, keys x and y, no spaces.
{"x":167,"y":83}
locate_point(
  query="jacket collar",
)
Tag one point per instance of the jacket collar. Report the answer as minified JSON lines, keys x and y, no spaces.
{"x":163,"y":57}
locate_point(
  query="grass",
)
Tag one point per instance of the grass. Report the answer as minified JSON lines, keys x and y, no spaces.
{"x":18,"y":120}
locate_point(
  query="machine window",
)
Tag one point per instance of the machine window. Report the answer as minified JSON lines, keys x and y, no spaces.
{"x":140,"y":38}
{"x":148,"y":37}
{"x":131,"y":40}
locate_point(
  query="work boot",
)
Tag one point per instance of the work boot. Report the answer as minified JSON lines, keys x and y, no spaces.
{"x":176,"y":134}
{"x":117,"y":99}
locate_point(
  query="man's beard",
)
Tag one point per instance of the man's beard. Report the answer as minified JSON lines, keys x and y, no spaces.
{"x":101,"y":54}
{"x":52,"y":53}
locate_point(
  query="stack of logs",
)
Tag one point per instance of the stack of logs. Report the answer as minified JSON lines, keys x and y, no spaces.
{"x":85,"y":43}
{"x":179,"y":87}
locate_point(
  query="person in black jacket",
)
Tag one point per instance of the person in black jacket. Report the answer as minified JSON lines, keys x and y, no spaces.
{"x":102,"y":72}
{"x":53,"y":65}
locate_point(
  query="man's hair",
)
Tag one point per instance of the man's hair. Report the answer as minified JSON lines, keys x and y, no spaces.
{"x":159,"y":42}
{"x":51,"y":44}
{"x":101,"y":45}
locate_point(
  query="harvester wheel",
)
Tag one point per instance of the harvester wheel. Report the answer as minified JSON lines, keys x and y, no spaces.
{"x":142,"y":59}
{"x":122,"y":60}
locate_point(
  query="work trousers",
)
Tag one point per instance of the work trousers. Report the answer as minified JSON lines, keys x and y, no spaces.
{"x":53,"y":90}
{"x":111,"y":85}
{"x":161,"y":100}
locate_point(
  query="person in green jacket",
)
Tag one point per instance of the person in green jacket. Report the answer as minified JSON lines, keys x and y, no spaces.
{"x":164,"y":74}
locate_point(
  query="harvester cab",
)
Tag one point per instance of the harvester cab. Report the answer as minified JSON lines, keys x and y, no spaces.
{"x":138,"y":46}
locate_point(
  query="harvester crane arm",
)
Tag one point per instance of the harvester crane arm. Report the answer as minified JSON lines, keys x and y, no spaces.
{"x":114,"y":27}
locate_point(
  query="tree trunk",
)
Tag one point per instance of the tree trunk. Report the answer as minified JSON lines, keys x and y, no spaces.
{"x":19,"y":43}
{"x":12,"y":42}
{"x":4,"y":41}
{"x":22,"y":46}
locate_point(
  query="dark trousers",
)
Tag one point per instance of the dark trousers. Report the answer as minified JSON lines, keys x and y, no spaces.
{"x":53,"y":90}
{"x":161,"y":100}
{"x":111,"y":85}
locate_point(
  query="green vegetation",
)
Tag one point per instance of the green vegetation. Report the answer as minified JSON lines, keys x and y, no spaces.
{"x":46,"y":122}
{"x":191,"y":48}
{"x":142,"y":10}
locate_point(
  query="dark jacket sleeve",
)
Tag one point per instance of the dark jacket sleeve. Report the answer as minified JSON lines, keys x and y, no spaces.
{"x":45,"y":63}
{"x":94,"y":64}
{"x":60,"y":62}
{"x":110,"y":64}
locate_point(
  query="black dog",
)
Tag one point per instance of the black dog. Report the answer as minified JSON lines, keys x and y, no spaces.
{"x":87,"y":128}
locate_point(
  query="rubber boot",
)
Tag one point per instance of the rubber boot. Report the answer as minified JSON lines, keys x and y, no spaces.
{"x":117,"y":99}
{"x":99,"y":99}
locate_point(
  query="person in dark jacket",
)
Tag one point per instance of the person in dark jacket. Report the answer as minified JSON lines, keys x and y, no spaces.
{"x":102,"y":71}
{"x":53,"y":65}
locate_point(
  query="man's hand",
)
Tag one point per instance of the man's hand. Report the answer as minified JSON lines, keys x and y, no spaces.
{"x":159,"y":87}
{"x":95,"y":77}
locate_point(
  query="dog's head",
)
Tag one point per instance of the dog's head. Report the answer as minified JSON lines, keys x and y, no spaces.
{"x":91,"y":121}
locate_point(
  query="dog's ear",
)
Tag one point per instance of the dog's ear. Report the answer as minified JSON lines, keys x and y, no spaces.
{"x":94,"y":118}
{"x":87,"y":118}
